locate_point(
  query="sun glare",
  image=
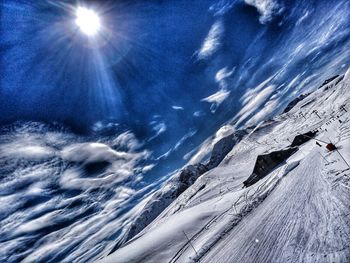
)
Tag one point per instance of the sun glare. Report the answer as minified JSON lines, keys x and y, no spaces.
{"x":88,"y":21}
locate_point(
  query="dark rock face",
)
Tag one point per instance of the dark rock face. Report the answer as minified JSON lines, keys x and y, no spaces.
{"x":266,"y":163}
{"x":295,"y":101}
{"x":336,"y":79}
{"x":190,"y":174}
{"x":223,"y":147}
{"x":302,"y":138}
{"x":328,"y":80}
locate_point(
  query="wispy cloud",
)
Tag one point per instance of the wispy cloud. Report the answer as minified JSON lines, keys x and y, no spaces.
{"x":31,"y":152}
{"x":184,"y":138}
{"x":120,"y":165}
{"x":178,"y":144}
{"x":223,"y":73}
{"x":203,"y":150}
{"x":216,"y":99}
{"x":268,"y":9}
{"x":127,"y":140}
{"x":198,"y":114}
{"x":213,"y":41}
{"x":254,"y":102}
{"x":221,"y":7}
{"x":158,"y":127}
{"x":177,"y":107}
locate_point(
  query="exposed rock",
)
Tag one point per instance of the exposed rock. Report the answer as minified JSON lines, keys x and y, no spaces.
{"x":223,"y":147}
{"x":328,"y":81}
{"x":331,"y":82}
{"x":266,"y":163}
{"x":189,"y":175}
{"x":302,"y":138}
{"x":295,"y":102}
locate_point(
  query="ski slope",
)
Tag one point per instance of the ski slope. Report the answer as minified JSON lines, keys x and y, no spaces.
{"x":298,"y":213}
{"x":303,"y":220}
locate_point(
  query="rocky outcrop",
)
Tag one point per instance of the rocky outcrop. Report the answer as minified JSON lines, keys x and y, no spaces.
{"x":331,"y":82}
{"x":223,"y":147}
{"x":302,"y":138}
{"x":266,"y":163}
{"x":189,"y":175}
{"x":295,"y":102}
{"x":328,"y":81}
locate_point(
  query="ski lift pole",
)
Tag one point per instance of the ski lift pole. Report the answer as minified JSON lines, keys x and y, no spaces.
{"x":343,"y":158}
{"x":315,"y":111}
{"x":342,"y":107}
{"x":189,"y":241}
{"x":302,"y":115}
{"x":340,"y":155}
{"x":324,"y":158}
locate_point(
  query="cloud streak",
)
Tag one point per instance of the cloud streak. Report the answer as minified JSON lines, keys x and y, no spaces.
{"x":213,"y":41}
{"x":268,"y":9}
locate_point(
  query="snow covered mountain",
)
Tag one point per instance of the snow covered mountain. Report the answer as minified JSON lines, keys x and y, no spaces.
{"x":178,"y":184}
{"x":298,"y":212}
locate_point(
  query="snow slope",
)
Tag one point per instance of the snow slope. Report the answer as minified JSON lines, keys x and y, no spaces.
{"x":179,"y":182}
{"x":298,"y":213}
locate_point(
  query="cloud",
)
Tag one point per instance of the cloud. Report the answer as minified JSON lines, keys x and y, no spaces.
{"x":122,"y":165}
{"x":224,"y":73}
{"x":71,"y":179}
{"x":91,"y":152}
{"x":28,"y":147}
{"x":224,"y":131}
{"x":158,"y":127}
{"x":203,"y":151}
{"x":177,"y":107}
{"x":268,"y":9}
{"x":101,"y":127}
{"x":198,"y":114}
{"x":216,"y":99}
{"x":184,"y":138}
{"x":28,"y":152}
{"x":268,"y":110}
{"x":148,"y":168}
{"x":221,"y":7}
{"x":254,"y":101}
{"x":165,"y":155}
{"x":102,"y":206}
{"x":127,"y":140}
{"x":250,"y":93}
{"x":178,"y":144}
{"x":301,"y":19}
{"x":213,"y":40}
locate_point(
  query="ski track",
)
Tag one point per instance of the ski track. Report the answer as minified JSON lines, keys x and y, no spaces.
{"x":302,"y":220}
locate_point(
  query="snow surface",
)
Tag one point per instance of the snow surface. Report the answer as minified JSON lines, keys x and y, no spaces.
{"x":298,"y":213}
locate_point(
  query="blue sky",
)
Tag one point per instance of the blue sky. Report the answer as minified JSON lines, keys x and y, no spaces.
{"x":166,"y":69}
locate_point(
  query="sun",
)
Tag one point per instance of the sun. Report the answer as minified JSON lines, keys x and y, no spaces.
{"x":88,"y":21}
